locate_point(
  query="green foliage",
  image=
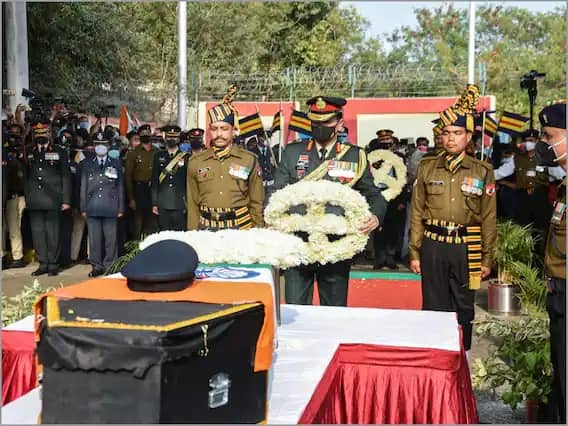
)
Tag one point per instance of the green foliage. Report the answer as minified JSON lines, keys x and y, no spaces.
{"x":515,"y":243}
{"x":532,"y":286}
{"x":131,"y":250}
{"x":18,"y":307}
{"x":519,"y":359}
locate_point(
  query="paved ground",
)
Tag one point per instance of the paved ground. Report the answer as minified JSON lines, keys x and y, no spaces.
{"x":491,"y":410}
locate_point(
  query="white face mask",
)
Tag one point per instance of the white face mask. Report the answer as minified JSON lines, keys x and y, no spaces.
{"x":560,"y":142}
{"x":101,"y":150}
{"x":529,"y":146}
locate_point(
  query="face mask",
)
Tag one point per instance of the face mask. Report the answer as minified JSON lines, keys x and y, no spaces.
{"x":84,"y":125}
{"x":114,"y":153}
{"x":185,"y":147}
{"x":42,"y":141}
{"x":145,"y":140}
{"x":172,"y":143}
{"x":89,"y":154}
{"x":422,"y":148}
{"x":101,"y":150}
{"x":322,"y":134}
{"x":546,"y":154}
{"x":529,"y":146}
{"x":342,"y":137}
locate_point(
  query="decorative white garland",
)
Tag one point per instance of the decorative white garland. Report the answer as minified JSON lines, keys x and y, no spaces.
{"x":380,"y":175}
{"x":315,"y":195}
{"x":249,"y":246}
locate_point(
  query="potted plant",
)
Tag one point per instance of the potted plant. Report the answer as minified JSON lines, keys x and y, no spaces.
{"x":515,"y":244}
{"x":518,"y":364}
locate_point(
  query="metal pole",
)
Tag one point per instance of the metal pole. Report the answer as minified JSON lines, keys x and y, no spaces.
{"x":17,"y":70}
{"x":182,"y":64}
{"x":471,"y":45}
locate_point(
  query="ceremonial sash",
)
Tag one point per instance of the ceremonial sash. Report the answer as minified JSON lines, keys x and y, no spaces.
{"x":171,"y":167}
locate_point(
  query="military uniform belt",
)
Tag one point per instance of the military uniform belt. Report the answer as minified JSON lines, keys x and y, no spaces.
{"x":453,"y":233}
{"x":216,"y":218}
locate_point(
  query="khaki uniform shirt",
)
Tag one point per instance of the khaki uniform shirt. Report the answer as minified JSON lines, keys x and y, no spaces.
{"x":528,"y":175}
{"x":233,"y":182}
{"x":555,"y":252}
{"x":439,"y":194}
{"x":138,"y":168}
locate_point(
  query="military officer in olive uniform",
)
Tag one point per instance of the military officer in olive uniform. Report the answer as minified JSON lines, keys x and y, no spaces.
{"x":531,"y":182}
{"x":138,"y":175}
{"x":453,"y":201}
{"x":551,"y":152}
{"x":102,"y":203}
{"x":224,"y":186}
{"x":47,"y":189}
{"x":169,"y":177}
{"x":323,"y":157}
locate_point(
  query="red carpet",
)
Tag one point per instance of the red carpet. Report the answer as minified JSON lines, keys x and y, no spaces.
{"x":388,"y":290}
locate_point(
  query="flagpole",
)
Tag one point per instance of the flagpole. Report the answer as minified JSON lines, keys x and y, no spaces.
{"x":483,"y":134}
{"x":265,"y":135}
{"x":471,"y":45}
{"x":280,"y":133}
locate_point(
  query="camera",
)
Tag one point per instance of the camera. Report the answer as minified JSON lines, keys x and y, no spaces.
{"x":528,"y":81}
{"x":37,"y":107}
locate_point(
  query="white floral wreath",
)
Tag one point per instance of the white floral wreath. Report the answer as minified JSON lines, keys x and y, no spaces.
{"x":249,"y":246}
{"x":381,"y":175}
{"x":315,"y":196}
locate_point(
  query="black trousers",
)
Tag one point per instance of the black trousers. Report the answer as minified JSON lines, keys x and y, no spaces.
{"x":144,"y":221}
{"x":445,"y":283}
{"x":506,"y":202}
{"x":388,"y":241}
{"x":172,"y":220}
{"x":66,"y":231}
{"x":556,"y":307}
{"x":46,"y":225}
{"x":333,"y":282}
{"x":103,"y":243}
{"x":534,"y":209}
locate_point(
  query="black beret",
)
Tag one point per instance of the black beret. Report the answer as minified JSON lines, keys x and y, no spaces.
{"x":553,"y":115}
{"x":196,"y":133}
{"x":168,"y":265}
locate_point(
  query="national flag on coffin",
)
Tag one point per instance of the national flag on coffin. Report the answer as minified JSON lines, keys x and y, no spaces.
{"x":299,"y":122}
{"x":511,"y":123}
{"x":126,"y":124}
{"x":251,"y":125}
{"x":275,"y":123}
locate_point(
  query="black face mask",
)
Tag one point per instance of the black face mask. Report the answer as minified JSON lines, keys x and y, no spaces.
{"x":171,"y":143}
{"x":322,"y":134}
{"x":89,"y":154}
{"x":42,"y":141}
{"x":544,"y":155}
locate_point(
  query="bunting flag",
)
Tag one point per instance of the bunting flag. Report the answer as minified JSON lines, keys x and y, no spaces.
{"x":126,"y":124}
{"x":299,"y":122}
{"x":490,"y":126}
{"x":511,"y":123}
{"x":275,"y":123}
{"x":251,"y":125}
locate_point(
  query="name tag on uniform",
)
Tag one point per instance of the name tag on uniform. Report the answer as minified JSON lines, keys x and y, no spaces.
{"x":559,"y":210}
{"x":344,"y":169}
{"x":30,"y":156}
{"x":436,"y":182}
{"x":540,"y":169}
{"x":52,"y":156}
{"x":531,"y":173}
{"x":238,"y":171}
{"x":110,"y":172}
{"x":472,"y":186}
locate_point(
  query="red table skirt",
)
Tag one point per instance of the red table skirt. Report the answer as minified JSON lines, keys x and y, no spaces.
{"x":18,"y":364}
{"x":374,"y":384}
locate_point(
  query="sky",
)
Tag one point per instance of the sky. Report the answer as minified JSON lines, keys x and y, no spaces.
{"x":385,"y":16}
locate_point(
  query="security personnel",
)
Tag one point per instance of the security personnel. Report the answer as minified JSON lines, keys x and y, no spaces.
{"x":195,"y":139}
{"x":384,"y":140}
{"x":169,"y":177}
{"x":453,"y":219}
{"x":322,"y":157}
{"x":261,"y":149}
{"x":16,"y":202}
{"x":224,"y":181}
{"x":506,"y":184}
{"x":47,"y":189}
{"x":138,"y":175}
{"x":551,"y":152}
{"x":102,"y":203}
{"x":532,"y":189}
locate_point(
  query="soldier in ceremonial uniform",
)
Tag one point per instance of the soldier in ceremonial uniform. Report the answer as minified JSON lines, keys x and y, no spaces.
{"x":551,"y":152}
{"x":311,"y":160}
{"x":225,"y":181}
{"x":169,"y":177}
{"x":138,"y":175}
{"x":102,"y":203}
{"x":531,"y":181}
{"x":453,"y":219}
{"x":47,"y":189}
{"x":267,"y":161}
